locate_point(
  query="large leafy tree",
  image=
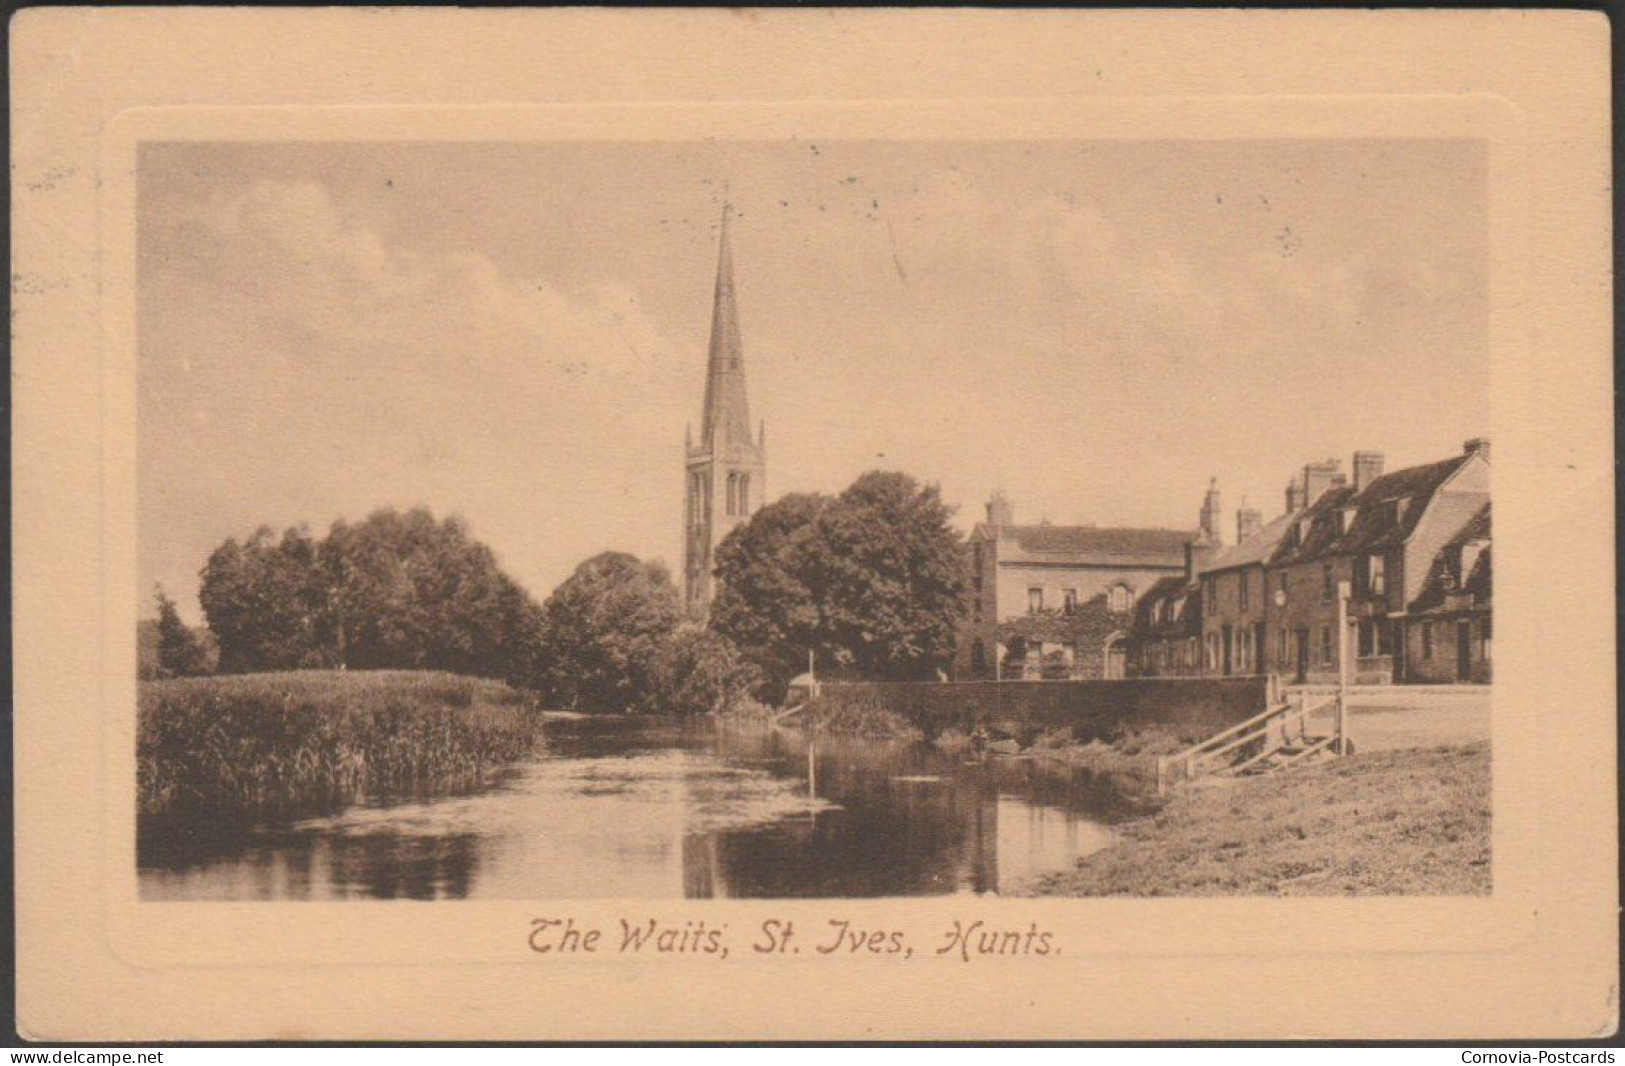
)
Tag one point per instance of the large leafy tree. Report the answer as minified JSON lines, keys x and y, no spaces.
{"x":263,"y":602}
{"x":400,"y":590}
{"x":698,"y":671}
{"x":604,"y":631}
{"x":180,"y":652}
{"x":766,"y":606}
{"x":871,"y":581}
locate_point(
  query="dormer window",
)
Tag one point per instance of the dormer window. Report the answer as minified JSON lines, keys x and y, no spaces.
{"x":1376,"y":575}
{"x":1120,"y":598}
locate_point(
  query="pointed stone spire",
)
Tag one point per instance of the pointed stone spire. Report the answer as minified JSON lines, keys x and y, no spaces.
{"x":726,"y":419}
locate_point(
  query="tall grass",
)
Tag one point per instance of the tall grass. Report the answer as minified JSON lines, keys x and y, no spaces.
{"x":262,"y":744}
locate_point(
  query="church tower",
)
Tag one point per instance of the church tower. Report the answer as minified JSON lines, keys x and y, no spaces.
{"x":725,"y":476}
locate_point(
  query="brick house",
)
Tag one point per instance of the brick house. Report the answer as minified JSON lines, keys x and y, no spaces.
{"x":1381,"y":534}
{"x":1058,"y":601}
{"x":1234,"y":630}
{"x":1448,"y":624}
{"x":1166,"y":637}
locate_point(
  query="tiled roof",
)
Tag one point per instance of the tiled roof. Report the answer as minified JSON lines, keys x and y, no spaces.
{"x":1098,"y":540}
{"x":1385,"y":513}
{"x":1320,"y":520}
{"x":1149,"y":623}
{"x":1379,"y":523}
{"x":1444,"y":574}
{"x":1255,"y":549}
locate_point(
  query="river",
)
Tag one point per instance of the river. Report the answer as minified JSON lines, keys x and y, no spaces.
{"x":646,"y":809}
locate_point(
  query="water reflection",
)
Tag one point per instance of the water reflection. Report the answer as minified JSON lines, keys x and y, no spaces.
{"x":643,"y":809}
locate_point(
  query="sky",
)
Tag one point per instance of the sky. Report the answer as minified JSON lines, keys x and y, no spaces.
{"x":516,"y":333}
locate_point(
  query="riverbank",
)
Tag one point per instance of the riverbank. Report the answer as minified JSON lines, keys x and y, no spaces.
{"x":255,"y":744}
{"x":1404,"y":821}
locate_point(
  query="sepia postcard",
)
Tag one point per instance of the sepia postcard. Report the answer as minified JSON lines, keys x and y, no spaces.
{"x":813,"y":525}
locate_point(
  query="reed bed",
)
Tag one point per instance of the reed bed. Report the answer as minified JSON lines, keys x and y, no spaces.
{"x":264,"y":744}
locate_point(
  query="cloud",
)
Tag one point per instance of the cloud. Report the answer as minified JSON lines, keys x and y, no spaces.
{"x":299,"y":362}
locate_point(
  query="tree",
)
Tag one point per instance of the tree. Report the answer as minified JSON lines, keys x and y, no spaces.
{"x":604,"y":630}
{"x":399,"y":590}
{"x":765,"y":605}
{"x":180,"y":653}
{"x":699,"y":672}
{"x":871,"y":581}
{"x":894,"y":577}
{"x":262,"y":600}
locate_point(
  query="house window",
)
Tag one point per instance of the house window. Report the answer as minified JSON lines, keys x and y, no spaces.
{"x":744,"y":494}
{"x":976,"y":567}
{"x":1385,"y":637}
{"x":1244,"y":651}
{"x":1242,"y":577}
{"x":1376,"y":575}
{"x":1327,"y":587}
{"x":733,"y":494}
{"x":1283,"y":585}
{"x":1427,"y":640}
{"x":1326,"y":654}
{"x":976,"y":608}
{"x":978,"y":657}
{"x":1281,"y":655}
{"x":1368,"y":644}
{"x":1484,"y":638}
{"x":1069,"y":600}
{"x":1120,"y":598}
{"x":1035,"y":600}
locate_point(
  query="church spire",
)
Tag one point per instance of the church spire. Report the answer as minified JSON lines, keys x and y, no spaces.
{"x":726,"y":419}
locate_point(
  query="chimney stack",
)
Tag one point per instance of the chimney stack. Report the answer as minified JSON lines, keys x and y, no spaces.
{"x":1249,"y":521}
{"x":1211,"y":506}
{"x":1000,"y":511}
{"x":1367,"y":468}
{"x":1318,"y":477}
{"x":1197,"y":554}
{"x":1478,"y":446}
{"x":1294,"y":495}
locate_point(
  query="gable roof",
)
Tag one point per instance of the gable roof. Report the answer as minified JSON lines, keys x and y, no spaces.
{"x":1321,"y":524}
{"x":1386,"y":513}
{"x":1379,"y":523}
{"x":1149,"y":620}
{"x":1255,"y":550}
{"x":1445,"y":578}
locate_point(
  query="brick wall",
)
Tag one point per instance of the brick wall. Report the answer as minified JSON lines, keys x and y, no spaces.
{"x":1189,"y":709}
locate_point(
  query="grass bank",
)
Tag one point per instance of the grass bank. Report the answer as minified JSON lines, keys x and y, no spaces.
{"x":258,"y":744}
{"x":1384,"y":823}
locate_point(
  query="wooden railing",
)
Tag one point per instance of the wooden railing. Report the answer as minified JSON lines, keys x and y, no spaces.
{"x":1284,"y":717}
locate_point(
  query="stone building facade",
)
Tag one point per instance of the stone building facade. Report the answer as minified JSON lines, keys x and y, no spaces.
{"x":725,"y":470}
{"x":1448,"y":625}
{"x":1058,"y":601}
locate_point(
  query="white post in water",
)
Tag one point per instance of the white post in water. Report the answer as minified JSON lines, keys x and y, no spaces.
{"x":1343,"y":591}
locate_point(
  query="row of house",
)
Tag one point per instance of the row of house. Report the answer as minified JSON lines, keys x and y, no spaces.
{"x":1412,"y":545}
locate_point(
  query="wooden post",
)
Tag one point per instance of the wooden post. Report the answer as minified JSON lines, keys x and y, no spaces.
{"x":1343,"y":591}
